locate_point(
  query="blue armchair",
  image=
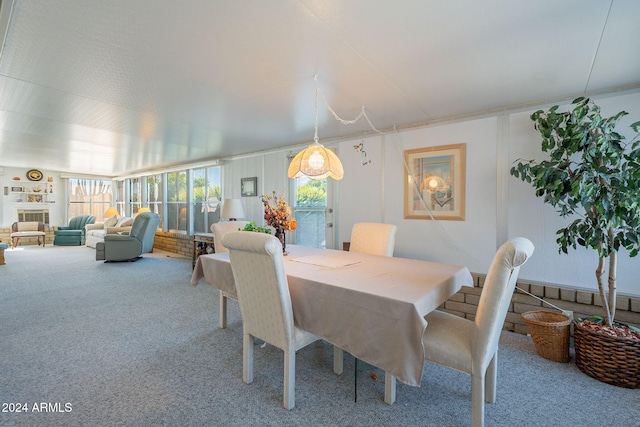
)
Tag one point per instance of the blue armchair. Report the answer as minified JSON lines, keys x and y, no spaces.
{"x":73,"y":234}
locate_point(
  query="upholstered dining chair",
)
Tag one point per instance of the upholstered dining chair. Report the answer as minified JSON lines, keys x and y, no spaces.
{"x":472,"y":346}
{"x":265,"y":303}
{"x":373,"y":238}
{"x":219,"y":229}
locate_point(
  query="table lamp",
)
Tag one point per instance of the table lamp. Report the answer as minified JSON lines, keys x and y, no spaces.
{"x":232,"y":209}
{"x":111,"y":212}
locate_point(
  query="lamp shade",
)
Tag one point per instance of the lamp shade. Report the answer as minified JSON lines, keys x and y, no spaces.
{"x":316,"y":162}
{"x":232,"y":209}
{"x":111,"y":212}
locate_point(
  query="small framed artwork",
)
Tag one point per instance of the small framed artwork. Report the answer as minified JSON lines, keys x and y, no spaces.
{"x":17,"y":189}
{"x":249,"y":187}
{"x":434,"y":184}
{"x":34,"y":198}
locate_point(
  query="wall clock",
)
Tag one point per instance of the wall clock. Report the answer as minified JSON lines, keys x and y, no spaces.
{"x":34,"y":175}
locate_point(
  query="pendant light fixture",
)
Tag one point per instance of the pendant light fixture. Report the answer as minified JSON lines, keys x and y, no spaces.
{"x":316,"y":162}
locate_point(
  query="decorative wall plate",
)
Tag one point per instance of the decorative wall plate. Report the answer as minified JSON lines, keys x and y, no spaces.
{"x":34,"y":175}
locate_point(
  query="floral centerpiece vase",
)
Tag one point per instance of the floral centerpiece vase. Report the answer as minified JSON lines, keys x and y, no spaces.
{"x":277,"y":214}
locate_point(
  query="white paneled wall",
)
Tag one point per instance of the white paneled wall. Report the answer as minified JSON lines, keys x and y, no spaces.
{"x":375,"y":192}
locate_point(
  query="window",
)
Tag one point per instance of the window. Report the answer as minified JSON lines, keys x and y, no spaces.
{"x":120,"y":198}
{"x":187,"y":200}
{"x":155,"y":195}
{"x":135,"y":192}
{"x":89,"y":196}
{"x":206,"y":198}
{"x":310,"y":210}
{"x":177,"y":201}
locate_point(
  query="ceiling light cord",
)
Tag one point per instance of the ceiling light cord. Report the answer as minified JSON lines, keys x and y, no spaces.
{"x":363,"y":112}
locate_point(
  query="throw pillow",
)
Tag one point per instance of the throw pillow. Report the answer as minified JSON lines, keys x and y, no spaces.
{"x":125,"y":221}
{"x":110,"y":222}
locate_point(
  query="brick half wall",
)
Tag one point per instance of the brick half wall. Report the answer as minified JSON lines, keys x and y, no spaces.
{"x":581,"y":302}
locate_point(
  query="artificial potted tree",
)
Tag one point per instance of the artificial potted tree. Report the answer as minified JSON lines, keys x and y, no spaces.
{"x":592,"y":176}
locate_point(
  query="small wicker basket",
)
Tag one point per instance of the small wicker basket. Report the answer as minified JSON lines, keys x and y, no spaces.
{"x":551,"y":333}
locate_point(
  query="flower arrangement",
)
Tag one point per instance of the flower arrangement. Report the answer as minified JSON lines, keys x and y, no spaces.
{"x":277,"y":213}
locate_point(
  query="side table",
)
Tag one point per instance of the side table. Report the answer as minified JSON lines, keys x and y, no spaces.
{"x":202,"y":244}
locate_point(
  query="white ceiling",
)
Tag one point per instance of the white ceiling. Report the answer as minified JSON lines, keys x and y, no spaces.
{"x":124,"y":86}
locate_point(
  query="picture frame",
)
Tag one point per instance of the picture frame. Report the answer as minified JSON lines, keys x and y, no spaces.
{"x":17,"y":189}
{"x":34,"y":198}
{"x":434,"y":182}
{"x":249,"y":186}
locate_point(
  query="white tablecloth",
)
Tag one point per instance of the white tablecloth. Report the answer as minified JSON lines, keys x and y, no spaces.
{"x":371,"y":306}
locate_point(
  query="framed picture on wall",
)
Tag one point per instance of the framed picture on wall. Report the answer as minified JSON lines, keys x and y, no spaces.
{"x":249,"y":187}
{"x":434,"y":184}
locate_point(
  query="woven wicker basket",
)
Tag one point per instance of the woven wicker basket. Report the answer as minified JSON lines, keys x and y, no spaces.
{"x":551,"y":333}
{"x":608,"y":359}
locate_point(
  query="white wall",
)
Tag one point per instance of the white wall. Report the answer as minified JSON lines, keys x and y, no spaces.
{"x":498,"y":206}
{"x":271,"y":171}
{"x":530,"y":217}
{"x":456,"y":242}
{"x":493,"y":144}
{"x":9,"y":208}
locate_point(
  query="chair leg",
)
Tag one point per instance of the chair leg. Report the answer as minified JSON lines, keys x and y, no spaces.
{"x":477,"y":400}
{"x":338,"y":360}
{"x":289,"y":379}
{"x":389,"y":388}
{"x":491,"y":379}
{"x":223,"y":310}
{"x":247,"y":356}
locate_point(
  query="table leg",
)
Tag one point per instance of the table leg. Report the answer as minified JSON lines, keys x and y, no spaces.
{"x":223,"y":310}
{"x":338,"y":360}
{"x":2,"y":263}
{"x":389,"y":388}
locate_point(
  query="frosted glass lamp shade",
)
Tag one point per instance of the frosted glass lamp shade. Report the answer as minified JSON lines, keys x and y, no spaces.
{"x":316,"y":162}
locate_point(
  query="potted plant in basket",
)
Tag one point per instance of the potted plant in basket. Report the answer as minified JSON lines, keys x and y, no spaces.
{"x":593,"y":176}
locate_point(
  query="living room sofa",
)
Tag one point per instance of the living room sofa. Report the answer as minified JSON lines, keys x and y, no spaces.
{"x":95,"y":232}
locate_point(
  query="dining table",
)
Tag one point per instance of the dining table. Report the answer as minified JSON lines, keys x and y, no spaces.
{"x":370,"y":306}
